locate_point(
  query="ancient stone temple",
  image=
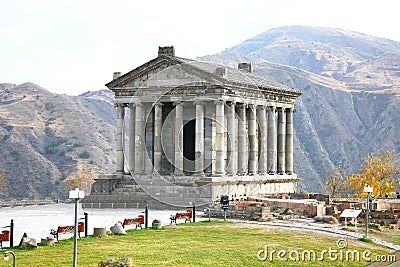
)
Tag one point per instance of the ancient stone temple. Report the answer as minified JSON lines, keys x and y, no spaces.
{"x":191,"y":131}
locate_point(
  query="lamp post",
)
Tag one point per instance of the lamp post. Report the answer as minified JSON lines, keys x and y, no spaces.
{"x":146,"y":216}
{"x":368,"y":189}
{"x":76,"y":195}
{"x":6,"y":258}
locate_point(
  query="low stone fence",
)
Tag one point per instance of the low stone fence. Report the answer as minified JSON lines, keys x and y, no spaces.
{"x":26,"y":202}
{"x":383,"y":218}
{"x":240,"y":210}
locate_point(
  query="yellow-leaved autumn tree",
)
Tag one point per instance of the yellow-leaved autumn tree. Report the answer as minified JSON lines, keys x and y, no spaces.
{"x":336,"y":184}
{"x":82,"y":180}
{"x":2,"y":179}
{"x":378,"y":172}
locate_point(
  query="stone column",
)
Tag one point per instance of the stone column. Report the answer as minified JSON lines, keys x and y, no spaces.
{"x":231,"y":149}
{"x":131,"y":149}
{"x":289,"y":141}
{"x":199,"y":139}
{"x":242,"y":140}
{"x":178,"y":131}
{"x":271,"y":141}
{"x":148,"y":148}
{"x":220,"y":134}
{"x":139,"y":139}
{"x":120,"y":138}
{"x":262,"y":122}
{"x":157,"y":150}
{"x":281,"y":141}
{"x":253,"y":144}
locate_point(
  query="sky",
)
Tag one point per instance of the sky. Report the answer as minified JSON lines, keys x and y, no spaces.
{"x":71,"y":47}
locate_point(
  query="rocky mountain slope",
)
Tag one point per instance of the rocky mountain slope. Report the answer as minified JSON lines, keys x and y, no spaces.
{"x":46,"y":137}
{"x":349,"y":108}
{"x":350,"y":84}
{"x":344,"y":55}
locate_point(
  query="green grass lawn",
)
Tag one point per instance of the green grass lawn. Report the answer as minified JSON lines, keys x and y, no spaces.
{"x":196,"y":244}
{"x":389,"y":235}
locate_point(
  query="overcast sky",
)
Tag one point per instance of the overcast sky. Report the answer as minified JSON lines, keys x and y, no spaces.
{"x":74,"y":46}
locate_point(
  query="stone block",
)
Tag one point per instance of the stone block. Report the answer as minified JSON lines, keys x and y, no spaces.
{"x":326,"y":219}
{"x":99,"y":232}
{"x":118,"y":229}
{"x":110,"y":262}
{"x":28,"y":242}
{"x":50,"y":240}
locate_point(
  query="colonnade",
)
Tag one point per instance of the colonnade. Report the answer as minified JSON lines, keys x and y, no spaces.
{"x":250,"y":139}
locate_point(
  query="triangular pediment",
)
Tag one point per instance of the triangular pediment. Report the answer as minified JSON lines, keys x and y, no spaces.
{"x":164,"y":72}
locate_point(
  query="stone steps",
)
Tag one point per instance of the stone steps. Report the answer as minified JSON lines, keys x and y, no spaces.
{"x":156,"y":191}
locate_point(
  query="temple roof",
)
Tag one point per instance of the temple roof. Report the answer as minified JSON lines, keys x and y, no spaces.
{"x":236,"y":75}
{"x":214,"y":73}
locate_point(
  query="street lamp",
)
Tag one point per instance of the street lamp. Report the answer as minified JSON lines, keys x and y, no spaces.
{"x":76,"y":195}
{"x":6,"y":258}
{"x":367,"y":189}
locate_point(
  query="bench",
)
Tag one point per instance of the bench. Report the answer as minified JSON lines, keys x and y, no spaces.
{"x":4,"y":236}
{"x":187,"y":216}
{"x":67,"y":230}
{"x":134,"y":221}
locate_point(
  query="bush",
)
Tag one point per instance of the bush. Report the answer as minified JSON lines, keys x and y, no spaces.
{"x":8,"y":127}
{"x":58,"y":141}
{"x":51,"y":150}
{"x":84,"y":155}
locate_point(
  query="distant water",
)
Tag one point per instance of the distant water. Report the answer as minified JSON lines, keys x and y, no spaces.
{"x":37,"y":221}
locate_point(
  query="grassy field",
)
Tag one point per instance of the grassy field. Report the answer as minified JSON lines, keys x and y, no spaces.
{"x":200,"y":244}
{"x":390,"y":235}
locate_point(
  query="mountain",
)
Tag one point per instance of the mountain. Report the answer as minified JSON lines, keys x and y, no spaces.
{"x":328,"y":52}
{"x":350,"y":84}
{"x":46,"y":137}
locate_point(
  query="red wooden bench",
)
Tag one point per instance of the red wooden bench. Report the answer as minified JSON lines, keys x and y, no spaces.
{"x":134,"y":221}
{"x":68,"y":229}
{"x":182,"y":215}
{"x":4,"y":236}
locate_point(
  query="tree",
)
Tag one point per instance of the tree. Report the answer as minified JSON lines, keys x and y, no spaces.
{"x":379,"y":172}
{"x":82,"y":180}
{"x":2,"y":179}
{"x":336,"y":184}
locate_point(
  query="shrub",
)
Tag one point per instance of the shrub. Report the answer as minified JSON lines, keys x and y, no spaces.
{"x":84,"y":155}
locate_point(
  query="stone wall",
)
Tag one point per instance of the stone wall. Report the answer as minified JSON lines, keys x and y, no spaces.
{"x":241,"y":210}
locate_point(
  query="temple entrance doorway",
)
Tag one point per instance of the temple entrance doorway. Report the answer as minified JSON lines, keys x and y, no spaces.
{"x":189,"y":146}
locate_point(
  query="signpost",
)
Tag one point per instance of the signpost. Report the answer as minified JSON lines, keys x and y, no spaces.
{"x":350,"y":213}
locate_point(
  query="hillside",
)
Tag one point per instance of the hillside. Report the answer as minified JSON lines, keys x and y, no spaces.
{"x":350,"y":85}
{"x":328,"y":52}
{"x":45,"y":137}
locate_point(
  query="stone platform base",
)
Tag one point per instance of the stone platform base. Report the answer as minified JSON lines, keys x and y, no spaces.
{"x":166,"y":192}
